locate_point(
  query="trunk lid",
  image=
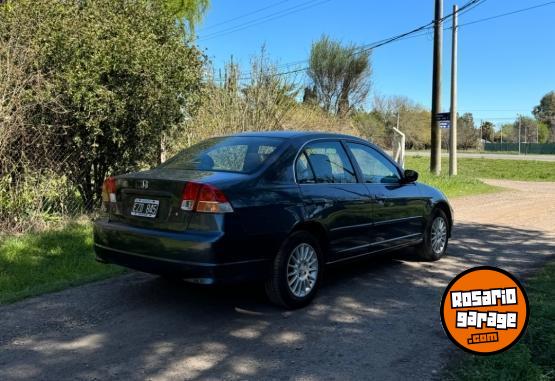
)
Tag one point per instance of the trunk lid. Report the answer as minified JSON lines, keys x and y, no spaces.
{"x":152,"y":199}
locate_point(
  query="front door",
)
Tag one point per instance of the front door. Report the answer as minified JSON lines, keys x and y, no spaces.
{"x":398,"y":209}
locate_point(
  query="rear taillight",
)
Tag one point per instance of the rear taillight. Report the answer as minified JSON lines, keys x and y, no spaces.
{"x":190,"y":196}
{"x":204,"y":198}
{"x":109,"y":190}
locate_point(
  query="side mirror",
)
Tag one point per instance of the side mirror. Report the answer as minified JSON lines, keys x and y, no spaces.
{"x":410,"y":176}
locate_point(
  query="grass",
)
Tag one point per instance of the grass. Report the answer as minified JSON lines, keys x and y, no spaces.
{"x":471,"y":170}
{"x":36,"y":263}
{"x":524,"y":170}
{"x":533,"y":358}
{"x":456,"y":186}
{"x":461,"y":185}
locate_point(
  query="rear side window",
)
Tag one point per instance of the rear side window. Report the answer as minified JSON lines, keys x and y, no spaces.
{"x":374,"y":166}
{"x":241,"y":154}
{"x":303,"y":171}
{"x":324,"y":162}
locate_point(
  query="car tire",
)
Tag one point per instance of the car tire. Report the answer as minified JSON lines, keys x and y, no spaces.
{"x":436,"y":237}
{"x":296,"y":271}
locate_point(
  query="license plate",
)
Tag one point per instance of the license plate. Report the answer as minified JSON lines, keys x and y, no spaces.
{"x":143,"y":207}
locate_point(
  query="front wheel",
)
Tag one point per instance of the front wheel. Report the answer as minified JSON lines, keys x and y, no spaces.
{"x":296,"y":272}
{"x":436,"y":237}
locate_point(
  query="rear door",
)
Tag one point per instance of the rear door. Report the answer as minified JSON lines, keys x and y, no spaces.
{"x":333,"y":197}
{"x":398,"y":209}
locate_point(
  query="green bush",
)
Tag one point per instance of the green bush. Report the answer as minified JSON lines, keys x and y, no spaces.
{"x":114,"y":76}
{"x":35,"y":199}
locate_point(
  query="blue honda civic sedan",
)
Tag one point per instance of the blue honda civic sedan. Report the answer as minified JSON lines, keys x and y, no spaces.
{"x":274,"y":207}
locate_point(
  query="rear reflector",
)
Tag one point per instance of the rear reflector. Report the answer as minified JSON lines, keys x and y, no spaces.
{"x":204,"y":198}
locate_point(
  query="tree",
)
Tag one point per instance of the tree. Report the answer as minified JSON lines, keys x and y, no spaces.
{"x":488,"y":131}
{"x":120,"y":74}
{"x":545,"y":112}
{"x":529,"y":130}
{"x":309,"y":95}
{"x":507,"y":133}
{"x":340,"y":74}
{"x":190,"y":11}
{"x":230,"y":105}
{"x":378,"y":124}
{"x":468,"y":136}
{"x":543,"y":132}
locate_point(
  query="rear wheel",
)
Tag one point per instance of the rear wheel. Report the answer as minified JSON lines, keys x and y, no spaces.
{"x":296,"y":271}
{"x":436,"y":237}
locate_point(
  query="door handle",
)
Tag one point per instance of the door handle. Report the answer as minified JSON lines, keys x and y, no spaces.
{"x":377,"y":196}
{"x":320,"y":200}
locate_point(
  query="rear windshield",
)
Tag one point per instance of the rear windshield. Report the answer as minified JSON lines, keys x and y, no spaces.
{"x":228,"y":154}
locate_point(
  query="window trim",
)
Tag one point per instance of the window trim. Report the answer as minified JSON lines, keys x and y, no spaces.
{"x":325,"y":139}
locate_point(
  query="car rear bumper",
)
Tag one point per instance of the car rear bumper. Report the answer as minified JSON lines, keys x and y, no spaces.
{"x":195,"y":257}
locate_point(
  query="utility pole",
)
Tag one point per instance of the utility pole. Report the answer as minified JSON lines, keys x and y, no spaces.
{"x":453,"y":129}
{"x":435,"y":154}
{"x":519,"y":126}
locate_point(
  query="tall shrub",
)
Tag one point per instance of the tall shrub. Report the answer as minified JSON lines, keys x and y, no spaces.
{"x":118,"y":75}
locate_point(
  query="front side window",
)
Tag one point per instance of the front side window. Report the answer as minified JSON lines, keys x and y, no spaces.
{"x":228,"y":154}
{"x":324,"y":162}
{"x":374,"y":166}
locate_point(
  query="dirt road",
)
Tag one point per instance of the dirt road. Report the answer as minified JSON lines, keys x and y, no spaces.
{"x":376,"y":319}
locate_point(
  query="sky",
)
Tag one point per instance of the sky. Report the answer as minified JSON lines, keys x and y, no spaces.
{"x":505,"y":64}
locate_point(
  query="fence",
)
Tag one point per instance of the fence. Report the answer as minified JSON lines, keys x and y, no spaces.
{"x":35,"y":192}
{"x":525,"y":148}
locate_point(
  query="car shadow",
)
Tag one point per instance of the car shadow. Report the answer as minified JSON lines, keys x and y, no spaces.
{"x":373,"y":318}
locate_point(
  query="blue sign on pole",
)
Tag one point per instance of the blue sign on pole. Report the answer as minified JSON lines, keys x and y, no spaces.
{"x":442,"y":116}
{"x":444,"y":119}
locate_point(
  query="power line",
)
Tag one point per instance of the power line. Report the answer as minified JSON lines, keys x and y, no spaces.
{"x":272,"y":16}
{"x":377,"y":44}
{"x":245,"y":15}
{"x":508,"y":13}
{"x":469,"y":8}
{"x":408,"y":35}
{"x":496,"y":16}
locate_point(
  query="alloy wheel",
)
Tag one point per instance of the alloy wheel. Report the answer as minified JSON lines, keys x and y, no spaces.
{"x":439,"y":235}
{"x":302,"y":270}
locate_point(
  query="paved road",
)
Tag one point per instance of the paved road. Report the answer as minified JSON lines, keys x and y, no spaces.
{"x":376,"y":319}
{"x":477,"y":155}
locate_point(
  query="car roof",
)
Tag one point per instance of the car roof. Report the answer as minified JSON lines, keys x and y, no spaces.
{"x":296,"y":134}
